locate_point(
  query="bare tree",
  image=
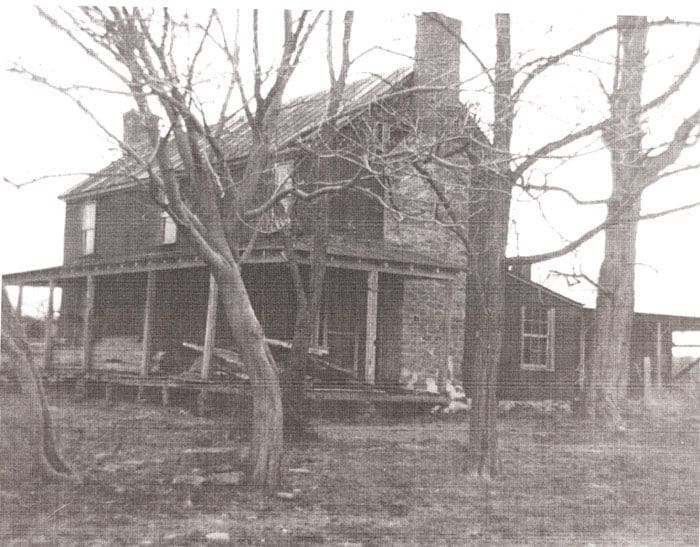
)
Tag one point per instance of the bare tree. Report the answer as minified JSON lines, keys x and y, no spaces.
{"x":189,"y":172}
{"x":29,"y":449}
{"x":472,"y":175}
{"x":634,"y":168}
{"x":309,"y":302}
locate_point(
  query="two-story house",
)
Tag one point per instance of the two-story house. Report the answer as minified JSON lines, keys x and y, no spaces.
{"x":394,"y":303}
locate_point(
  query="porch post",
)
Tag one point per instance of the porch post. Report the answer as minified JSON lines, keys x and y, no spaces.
{"x":48,"y":332}
{"x":659,"y":352}
{"x":646,"y":375}
{"x":20,"y":292}
{"x":88,"y":318}
{"x":148,"y":322}
{"x":371,"y":332}
{"x":210,"y":329}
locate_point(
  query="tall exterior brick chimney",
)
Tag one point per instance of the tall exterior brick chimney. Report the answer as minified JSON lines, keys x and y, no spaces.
{"x":436,"y":64}
{"x":135,"y":131}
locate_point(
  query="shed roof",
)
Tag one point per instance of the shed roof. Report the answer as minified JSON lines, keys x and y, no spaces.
{"x":298,"y":117}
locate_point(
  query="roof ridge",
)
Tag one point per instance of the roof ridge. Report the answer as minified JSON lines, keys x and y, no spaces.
{"x":368,"y":88}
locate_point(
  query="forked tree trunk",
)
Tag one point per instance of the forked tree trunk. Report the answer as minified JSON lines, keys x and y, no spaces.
{"x":27,"y":445}
{"x":606,"y":382}
{"x":266,"y":438}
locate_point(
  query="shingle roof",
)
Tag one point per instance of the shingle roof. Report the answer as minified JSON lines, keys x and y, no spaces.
{"x":298,"y":117}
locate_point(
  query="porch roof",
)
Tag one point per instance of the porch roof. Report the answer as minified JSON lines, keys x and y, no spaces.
{"x":382,"y":257}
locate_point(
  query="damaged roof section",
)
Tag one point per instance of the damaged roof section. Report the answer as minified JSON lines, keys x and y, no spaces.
{"x":299,"y":117}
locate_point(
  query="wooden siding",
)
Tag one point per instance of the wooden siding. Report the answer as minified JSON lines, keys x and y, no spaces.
{"x":518,"y":384}
{"x":127,"y":225}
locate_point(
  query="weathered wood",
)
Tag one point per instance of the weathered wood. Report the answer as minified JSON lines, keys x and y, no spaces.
{"x":686,"y":369}
{"x":227,"y":355}
{"x":88,"y":318}
{"x":148,"y":322}
{"x":659,"y":352}
{"x":202,"y":397}
{"x":141,"y":394}
{"x":371,"y":330}
{"x":325,"y":366}
{"x":376,"y":396}
{"x":646,"y":374}
{"x":48,"y":332}
{"x":210,"y":329}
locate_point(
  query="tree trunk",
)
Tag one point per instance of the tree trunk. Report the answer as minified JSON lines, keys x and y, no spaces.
{"x":606,"y":382}
{"x":27,"y":445}
{"x":490,"y":195}
{"x":610,"y":361}
{"x":486,"y":355}
{"x":266,"y":438}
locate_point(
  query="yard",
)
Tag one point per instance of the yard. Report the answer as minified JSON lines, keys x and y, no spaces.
{"x":373,"y":482}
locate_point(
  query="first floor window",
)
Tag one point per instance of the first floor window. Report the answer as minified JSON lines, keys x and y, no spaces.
{"x":88,"y":228}
{"x":168,"y":229}
{"x":537,"y":338}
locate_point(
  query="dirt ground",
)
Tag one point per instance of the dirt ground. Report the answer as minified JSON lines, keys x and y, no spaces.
{"x":380,"y":482}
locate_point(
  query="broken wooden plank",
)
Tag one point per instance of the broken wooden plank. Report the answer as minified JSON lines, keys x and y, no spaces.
{"x":148,"y":322}
{"x":686,"y":369}
{"x":320,"y":352}
{"x":375,"y":396}
{"x":326,"y":366}
{"x":227,"y":355}
{"x":210,"y":328}
{"x":371,"y":326}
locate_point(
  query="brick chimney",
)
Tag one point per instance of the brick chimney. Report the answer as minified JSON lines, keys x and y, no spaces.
{"x":436,"y":64}
{"x":135,"y":131}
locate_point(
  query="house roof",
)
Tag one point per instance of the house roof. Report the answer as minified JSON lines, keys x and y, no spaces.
{"x":298,"y":117}
{"x":540,"y":287}
{"x":670,"y":321}
{"x":382,"y":256}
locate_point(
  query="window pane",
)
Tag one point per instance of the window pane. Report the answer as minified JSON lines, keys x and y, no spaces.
{"x":535,"y":351}
{"x":89,"y":215}
{"x":168,"y":229}
{"x":537,"y":347}
{"x":88,"y":241}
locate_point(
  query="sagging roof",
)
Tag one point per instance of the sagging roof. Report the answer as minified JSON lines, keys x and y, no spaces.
{"x":380,"y":256}
{"x":298,"y":117}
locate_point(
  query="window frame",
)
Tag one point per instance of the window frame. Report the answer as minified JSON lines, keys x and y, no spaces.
{"x":549,"y":338}
{"x":88,"y":228}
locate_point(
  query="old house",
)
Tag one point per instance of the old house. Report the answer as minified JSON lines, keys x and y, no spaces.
{"x":135,"y":295}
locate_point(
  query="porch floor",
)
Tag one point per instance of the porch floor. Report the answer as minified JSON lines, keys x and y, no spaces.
{"x":107,"y":381}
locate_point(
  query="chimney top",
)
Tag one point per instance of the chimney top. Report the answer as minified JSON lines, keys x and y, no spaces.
{"x":436,"y":65}
{"x":135,"y":129}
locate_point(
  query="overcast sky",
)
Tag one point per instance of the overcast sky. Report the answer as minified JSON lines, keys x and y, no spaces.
{"x":44,"y":134}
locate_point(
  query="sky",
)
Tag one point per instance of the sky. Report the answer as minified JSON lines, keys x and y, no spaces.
{"x":44,"y":134}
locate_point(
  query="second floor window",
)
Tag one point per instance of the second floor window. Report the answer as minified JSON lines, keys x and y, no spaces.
{"x":537,"y":338}
{"x":88,"y":228}
{"x":168,"y":229}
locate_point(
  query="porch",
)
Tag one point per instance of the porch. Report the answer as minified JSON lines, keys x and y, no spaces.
{"x":134,"y":324}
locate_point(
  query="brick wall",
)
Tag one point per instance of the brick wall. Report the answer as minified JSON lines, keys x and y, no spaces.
{"x":433,"y":310}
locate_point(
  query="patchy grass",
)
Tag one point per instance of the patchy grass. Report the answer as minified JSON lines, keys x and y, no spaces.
{"x":374,"y":484}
